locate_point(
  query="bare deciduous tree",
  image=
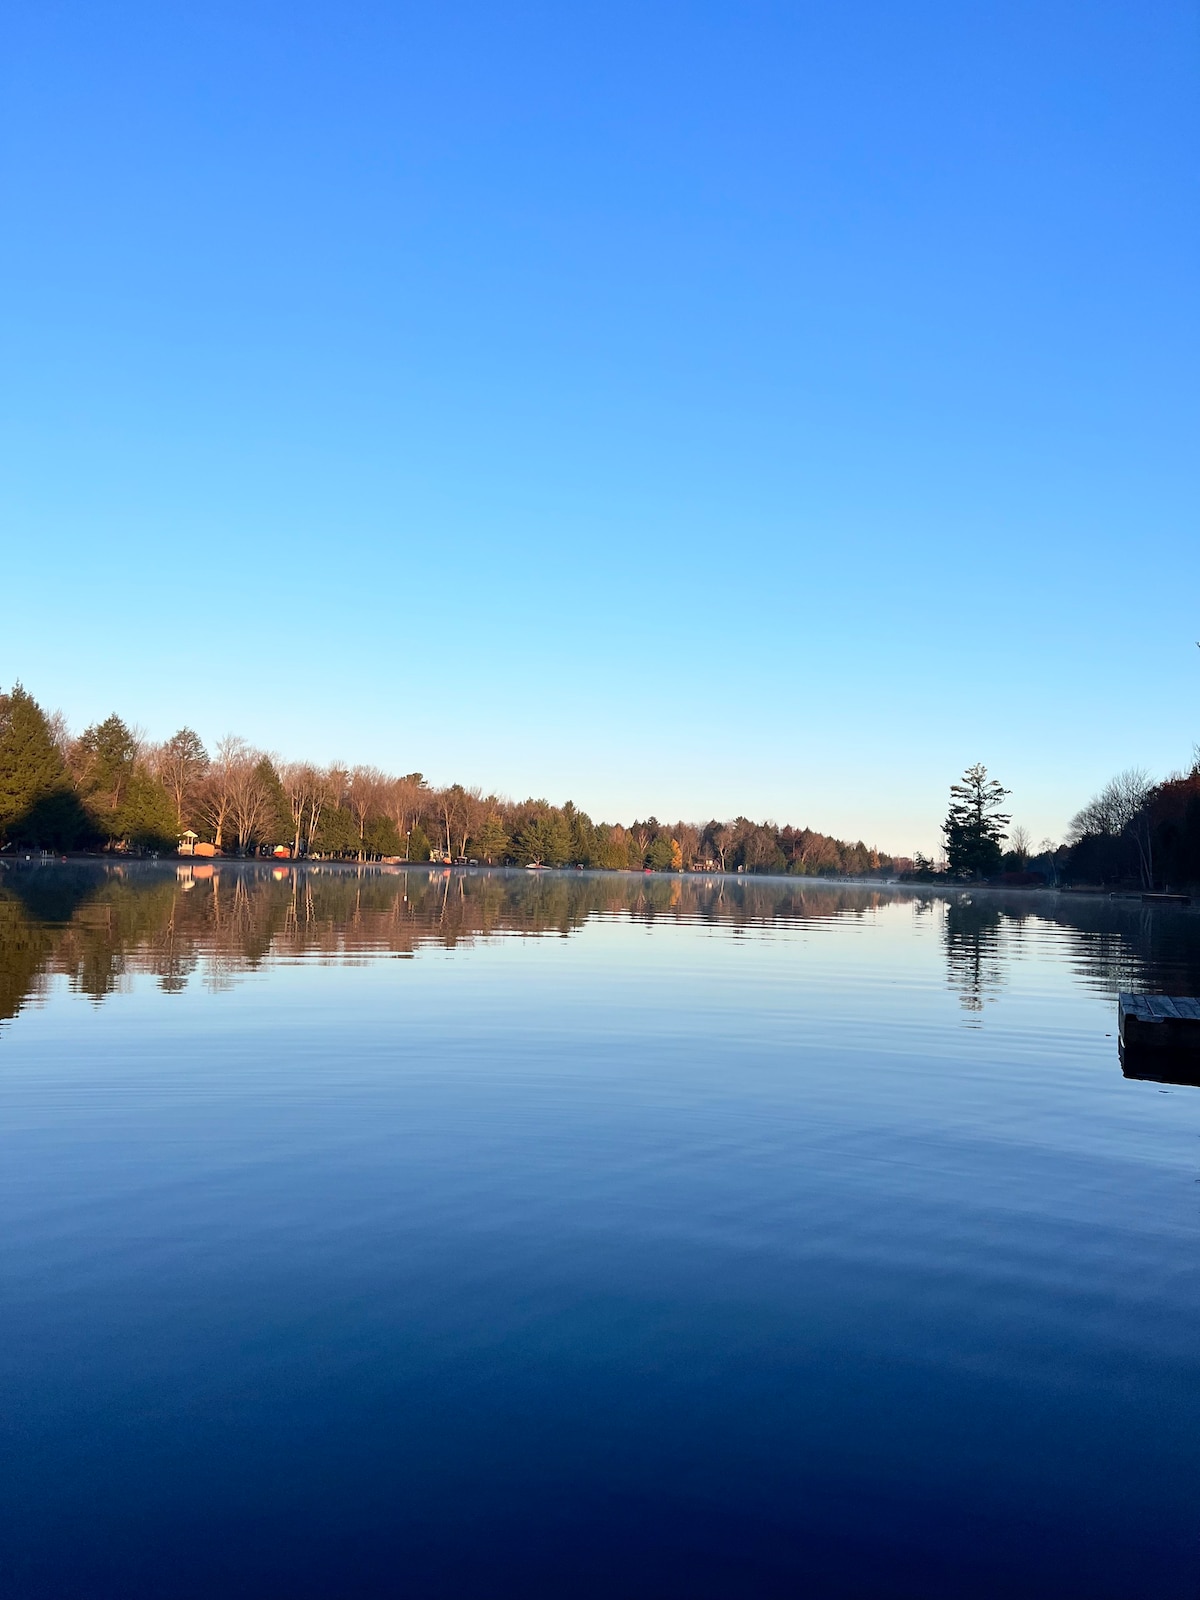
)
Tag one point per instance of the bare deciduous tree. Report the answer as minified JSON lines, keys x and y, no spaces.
{"x":215,"y":799}
{"x":404,"y":801}
{"x":1122,"y":807}
{"x":1019,"y":842}
{"x":471,"y":812}
{"x":459,"y":810}
{"x":304,"y":787}
{"x":1114,"y":808}
{"x":249,"y":798}
{"x":60,"y":733}
{"x":179,"y":765}
{"x":365,"y":791}
{"x":723,"y":839}
{"x":687,"y":835}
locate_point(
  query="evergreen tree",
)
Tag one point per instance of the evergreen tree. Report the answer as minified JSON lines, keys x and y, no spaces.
{"x":381,"y":838}
{"x":660,"y":855}
{"x":491,"y":842}
{"x":276,"y":824}
{"x":611,"y":849}
{"x":586,"y":842}
{"x":545,"y":841}
{"x":147,"y":814}
{"x":337,"y":833}
{"x":37,"y":804}
{"x":30,"y":763}
{"x":974,"y":825}
{"x":108,"y":751}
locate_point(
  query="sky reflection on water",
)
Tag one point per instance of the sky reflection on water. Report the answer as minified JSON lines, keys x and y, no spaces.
{"x":541,"y":1234}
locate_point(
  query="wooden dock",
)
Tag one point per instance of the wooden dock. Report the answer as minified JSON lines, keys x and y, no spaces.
{"x":1160,"y":1037}
{"x":1160,"y":1021}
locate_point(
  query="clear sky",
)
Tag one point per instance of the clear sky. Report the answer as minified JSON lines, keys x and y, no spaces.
{"x":686,"y":409}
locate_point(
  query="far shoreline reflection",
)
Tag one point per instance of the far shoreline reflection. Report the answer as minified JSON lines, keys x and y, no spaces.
{"x":97,"y":924}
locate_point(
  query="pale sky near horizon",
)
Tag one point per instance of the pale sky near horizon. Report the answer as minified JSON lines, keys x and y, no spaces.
{"x":687,"y":410}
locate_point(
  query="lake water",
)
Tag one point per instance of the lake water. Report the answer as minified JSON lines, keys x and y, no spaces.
{"x":381,"y":1233}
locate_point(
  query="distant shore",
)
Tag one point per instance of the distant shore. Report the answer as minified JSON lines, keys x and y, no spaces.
{"x":1183,"y":900}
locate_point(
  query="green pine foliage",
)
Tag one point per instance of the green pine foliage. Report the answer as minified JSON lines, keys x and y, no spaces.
{"x":146,"y":817}
{"x":337,"y":833}
{"x":659,"y":854}
{"x":491,"y":843}
{"x":545,"y":840}
{"x":37,"y":803}
{"x":382,"y":838}
{"x":276,"y":826}
{"x":975,"y":826}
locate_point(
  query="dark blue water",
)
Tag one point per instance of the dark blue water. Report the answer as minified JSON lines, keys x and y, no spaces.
{"x":547,"y":1235}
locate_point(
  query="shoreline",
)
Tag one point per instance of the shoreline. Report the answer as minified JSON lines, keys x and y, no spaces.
{"x":1183,"y":900}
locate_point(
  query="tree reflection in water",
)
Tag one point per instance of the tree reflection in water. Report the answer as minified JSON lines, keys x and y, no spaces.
{"x":974,"y":936}
{"x":99,"y":924}
{"x":1113,"y":943}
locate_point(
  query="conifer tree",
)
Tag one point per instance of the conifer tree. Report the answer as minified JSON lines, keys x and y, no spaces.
{"x":109,"y":753}
{"x":491,"y":842}
{"x":147,"y":814}
{"x":33,"y":777}
{"x":545,"y":841}
{"x":974,"y":826}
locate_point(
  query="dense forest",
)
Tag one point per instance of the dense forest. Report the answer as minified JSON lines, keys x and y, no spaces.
{"x":108,"y":789}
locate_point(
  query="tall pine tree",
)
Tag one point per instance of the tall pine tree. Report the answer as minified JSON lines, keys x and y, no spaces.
{"x":974,"y":826}
{"x":37,"y":804}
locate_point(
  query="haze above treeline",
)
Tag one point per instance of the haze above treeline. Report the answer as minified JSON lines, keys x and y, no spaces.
{"x":109,"y":788}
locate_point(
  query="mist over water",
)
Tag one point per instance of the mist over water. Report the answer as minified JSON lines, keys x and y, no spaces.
{"x":384,"y":1231}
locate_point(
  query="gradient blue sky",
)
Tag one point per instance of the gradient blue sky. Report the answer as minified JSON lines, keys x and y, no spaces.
{"x":688,"y":409}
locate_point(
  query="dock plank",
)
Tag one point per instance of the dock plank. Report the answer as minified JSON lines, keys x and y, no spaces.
{"x":1149,"y":1009}
{"x":1159,"y":1037}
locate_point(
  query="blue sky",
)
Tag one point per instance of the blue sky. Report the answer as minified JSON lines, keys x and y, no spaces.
{"x":686,"y":409}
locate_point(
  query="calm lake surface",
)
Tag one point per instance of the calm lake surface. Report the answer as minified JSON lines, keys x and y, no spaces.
{"x":386,"y":1233}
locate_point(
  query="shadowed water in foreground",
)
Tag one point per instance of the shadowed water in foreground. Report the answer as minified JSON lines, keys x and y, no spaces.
{"x":381,"y":1232}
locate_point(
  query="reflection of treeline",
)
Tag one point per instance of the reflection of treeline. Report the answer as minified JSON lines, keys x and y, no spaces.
{"x":107,"y":788}
{"x":1118,"y":943}
{"x":98,"y":925}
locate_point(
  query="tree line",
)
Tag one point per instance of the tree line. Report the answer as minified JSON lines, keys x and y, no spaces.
{"x":108,"y":788}
{"x":1136,"y":832}
{"x":1140,"y":831}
